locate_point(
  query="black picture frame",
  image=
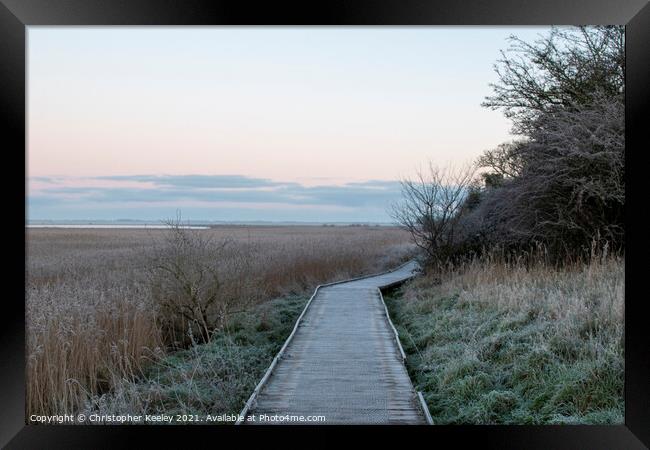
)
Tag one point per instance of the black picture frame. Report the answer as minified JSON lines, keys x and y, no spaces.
{"x":16,"y":15}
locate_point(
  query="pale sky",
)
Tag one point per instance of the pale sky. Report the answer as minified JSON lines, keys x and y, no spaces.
{"x":251,"y":123}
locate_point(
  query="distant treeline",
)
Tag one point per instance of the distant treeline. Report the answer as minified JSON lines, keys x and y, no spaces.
{"x":560,"y":185}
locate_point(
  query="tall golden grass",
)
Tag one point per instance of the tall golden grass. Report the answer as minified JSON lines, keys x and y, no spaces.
{"x":577,"y":292}
{"x":501,"y":341}
{"x":90,"y":316}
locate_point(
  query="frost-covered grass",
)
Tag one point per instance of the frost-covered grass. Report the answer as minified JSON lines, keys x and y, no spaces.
{"x":214,"y":378}
{"x":497,"y":344}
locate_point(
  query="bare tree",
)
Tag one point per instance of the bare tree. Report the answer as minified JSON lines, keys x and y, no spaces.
{"x":504,"y":160}
{"x":563,"y":69}
{"x":431,"y":205}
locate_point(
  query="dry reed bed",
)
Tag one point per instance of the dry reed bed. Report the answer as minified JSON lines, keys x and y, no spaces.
{"x":90,"y":316}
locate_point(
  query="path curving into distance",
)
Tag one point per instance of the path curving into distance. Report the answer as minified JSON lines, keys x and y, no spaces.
{"x":343,"y":361}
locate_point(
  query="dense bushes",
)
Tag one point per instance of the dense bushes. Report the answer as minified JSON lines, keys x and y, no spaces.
{"x":570,"y":187}
{"x":561,"y":184}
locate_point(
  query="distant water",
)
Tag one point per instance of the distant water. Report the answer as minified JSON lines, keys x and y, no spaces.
{"x":112,"y":226}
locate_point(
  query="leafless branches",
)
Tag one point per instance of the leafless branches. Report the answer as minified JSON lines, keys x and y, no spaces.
{"x":197,"y":281}
{"x":430,"y":207}
{"x":570,"y":185}
{"x":563,"y":69}
{"x":562,"y":183}
{"x":504,"y":160}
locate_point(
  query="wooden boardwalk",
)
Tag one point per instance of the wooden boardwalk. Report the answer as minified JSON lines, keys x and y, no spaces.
{"x":343,"y":361}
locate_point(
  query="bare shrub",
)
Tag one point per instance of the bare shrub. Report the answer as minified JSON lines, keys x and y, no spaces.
{"x":198,"y":282}
{"x":431,"y":207}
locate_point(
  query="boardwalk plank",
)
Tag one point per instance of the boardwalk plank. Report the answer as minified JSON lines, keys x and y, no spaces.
{"x":343,"y":362}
